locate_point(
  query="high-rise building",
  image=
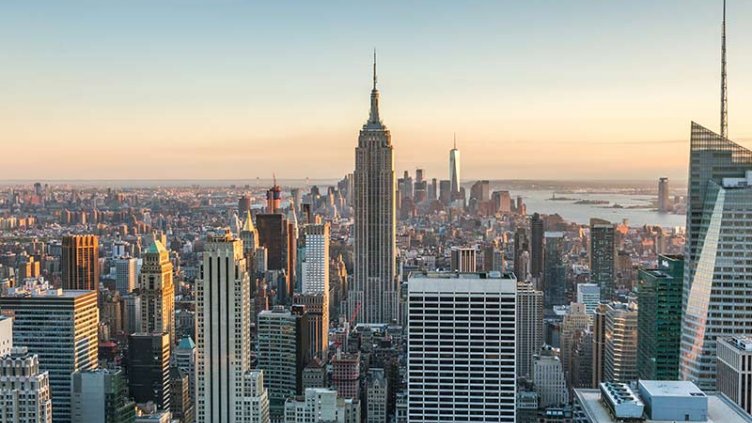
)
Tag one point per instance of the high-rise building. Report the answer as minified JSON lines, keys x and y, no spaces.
{"x":283,"y":352}
{"x":125,"y":274}
{"x":620,"y":347}
{"x":659,"y":319}
{"x":6,"y":335}
{"x":445,"y":192}
{"x":244,"y":205}
{"x":80,"y":262}
{"x":346,"y":374}
{"x":602,"y":258}
{"x":315,"y":275}
{"x":548,"y":377}
{"x":463,"y":259}
{"x":185,"y":359}
{"x":590,"y":295}
{"x":223,"y":331}
{"x":321,"y":405}
{"x":735,"y":370}
{"x":256,"y":398}
{"x":554,"y":271}
{"x":537,"y":234}
{"x":451,"y":315}
{"x":715,"y":301}
{"x":521,"y":248}
{"x":317,"y":310}
{"x":454,"y":170}
{"x":574,"y":323}
{"x":181,"y":403}
{"x":274,"y":234}
{"x":599,"y":343}
{"x":664,"y":196}
{"x":248,"y":234}
{"x":149,"y":368}
{"x":530,"y":331}
{"x":157,"y":292}
{"x":376,"y":396}
{"x":273,"y":198}
{"x":24,"y":388}
{"x":61,"y":328}
{"x":101,"y":396}
{"x":375,"y":225}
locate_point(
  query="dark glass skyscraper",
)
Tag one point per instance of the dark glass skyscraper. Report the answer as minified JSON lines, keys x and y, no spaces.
{"x":659,"y":319}
{"x":536,"y":245}
{"x":602,"y":256}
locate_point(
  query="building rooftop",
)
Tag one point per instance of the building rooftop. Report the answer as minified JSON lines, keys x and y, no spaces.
{"x":720,"y":409}
{"x":462,"y":275}
{"x":459,"y":282}
{"x":741,"y":343}
{"x":663,"y":388}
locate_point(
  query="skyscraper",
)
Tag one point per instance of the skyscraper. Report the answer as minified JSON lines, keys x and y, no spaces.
{"x":454,"y":170}
{"x":463,"y":259}
{"x":720,"y":190}
{"x":530,"y":332}
{"x":620,"y":347}
{"x":149,"y":368}
{"x":223,"y":331}
{"x":101,"y":396}
{"x":24,"y":388}
{"x":125,"y":274}
{"x":602,"y":260}
{"x":659,"y":319}
{"x":521,"y":247}
{"x":554,"y":270}
{"x":537,"y":233}
{"x":61,"y":328}
{"x":157,"y":292}
{"x":80,"y":262}
{"x":548,"y":377}
{"x":282,"y":353}
{"x":375,"y":226}
{"x":451,"y":316}
{"x":664,"y":199}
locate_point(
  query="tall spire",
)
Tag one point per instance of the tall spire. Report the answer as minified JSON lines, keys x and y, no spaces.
{"x":374,"y":68}
{"x":373,"y":118}
{"x":455,"y":140}
{"x":724,"y":89}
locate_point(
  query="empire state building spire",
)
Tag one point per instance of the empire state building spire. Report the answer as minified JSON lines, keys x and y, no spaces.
{"x":373,"y":118}
{"x":724,"y":89}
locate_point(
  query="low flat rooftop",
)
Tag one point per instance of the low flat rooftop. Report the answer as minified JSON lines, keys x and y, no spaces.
{"x":462,"y":275}
{"x":673,"y":388}
{"x":720,"y":409}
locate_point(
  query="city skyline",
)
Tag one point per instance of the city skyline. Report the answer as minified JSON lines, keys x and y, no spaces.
{"x":129,"y":98}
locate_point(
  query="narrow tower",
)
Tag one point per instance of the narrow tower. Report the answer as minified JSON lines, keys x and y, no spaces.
{"x":724,"y":98}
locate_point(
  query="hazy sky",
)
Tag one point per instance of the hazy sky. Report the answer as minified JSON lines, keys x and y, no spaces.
{"x":232,"y":89}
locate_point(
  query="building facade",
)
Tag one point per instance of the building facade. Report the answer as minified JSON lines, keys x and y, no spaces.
{"x":80,"y":262}
{"x":223,"y":331}
{"x":715,"y":270}
{"x":735,"y":370}
{"x":157,"y":292}
{"x":602,"y":256}
{"x":61,"y":328}
{"x":659,"y":319}
{"x":530,"y":330}
{"x":450,"y":316}
{"x":24,"y":388}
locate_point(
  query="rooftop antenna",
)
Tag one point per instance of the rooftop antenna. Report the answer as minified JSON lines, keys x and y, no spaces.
{"x":374,"y":67}
{"x":724,"y":89}
{"x":455,"y":140}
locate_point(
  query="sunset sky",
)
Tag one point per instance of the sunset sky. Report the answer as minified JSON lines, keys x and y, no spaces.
{"x":189,"y":89}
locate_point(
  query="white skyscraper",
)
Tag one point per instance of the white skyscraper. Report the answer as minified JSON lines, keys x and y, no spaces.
{"x":316,"y":261}
{"x":454,"y":169}
{"x":256,"y":398}
{"x":451,"y":317}
{"x":223,"y":332}
{"x":375,"y":285}
{"x":24,"y":388}
{"x":548,"y":377}
{"x":125,"y":274}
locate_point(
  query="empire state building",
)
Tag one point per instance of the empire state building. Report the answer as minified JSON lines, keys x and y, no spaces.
{"x":375,"y":286}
